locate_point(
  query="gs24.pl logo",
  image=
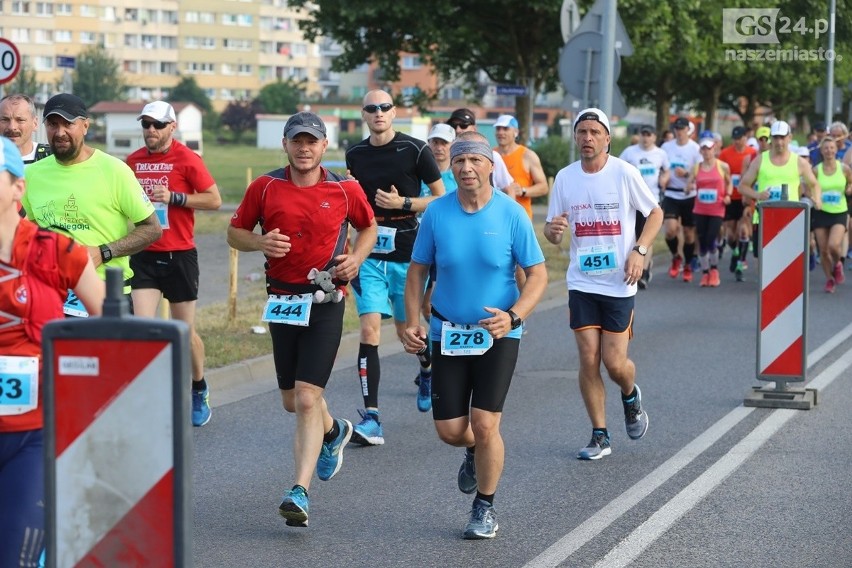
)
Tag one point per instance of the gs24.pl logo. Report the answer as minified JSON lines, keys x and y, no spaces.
{"x":764,"y":25}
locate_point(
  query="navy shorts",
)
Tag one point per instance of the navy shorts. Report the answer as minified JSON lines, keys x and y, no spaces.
{"x":460,"y":383}
{"x":596,"y":311}
{"x":175,"y":274}
{"x":22,"y":535}
{"x":307,"y":353}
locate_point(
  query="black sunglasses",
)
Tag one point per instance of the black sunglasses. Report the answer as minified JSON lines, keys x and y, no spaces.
{"x":461,"y":124}
{"x":384,"y":107}
{"x":146,"y":124}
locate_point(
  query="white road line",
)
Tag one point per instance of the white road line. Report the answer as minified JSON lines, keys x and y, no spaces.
{"x":657,"y":524}
{"x":574,"y":540}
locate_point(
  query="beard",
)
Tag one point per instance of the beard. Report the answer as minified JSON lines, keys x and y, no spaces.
{"x":65,"y":154}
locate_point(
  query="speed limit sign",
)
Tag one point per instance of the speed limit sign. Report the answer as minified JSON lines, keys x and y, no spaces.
{"x":10,"y":60}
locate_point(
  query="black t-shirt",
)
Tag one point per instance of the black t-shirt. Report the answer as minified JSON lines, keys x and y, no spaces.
{"x":404,"y":162}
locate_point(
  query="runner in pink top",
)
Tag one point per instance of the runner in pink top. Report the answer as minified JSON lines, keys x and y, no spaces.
{"x":711,"y":182}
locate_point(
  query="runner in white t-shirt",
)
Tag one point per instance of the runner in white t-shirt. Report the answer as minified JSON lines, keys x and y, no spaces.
{"x":595,"y":200}
{"x":677,"y":203}
{"x":653,"y":164}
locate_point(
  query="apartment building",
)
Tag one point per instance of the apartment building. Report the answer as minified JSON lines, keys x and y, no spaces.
{"x":231,"y":47}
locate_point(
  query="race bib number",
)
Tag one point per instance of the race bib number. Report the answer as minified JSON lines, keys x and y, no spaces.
{"x":290,"y":310}
{"x":457,"y":339}
{"x":595,"y":260}
{"x":735,"y":179}
{"x":831,"y":198}
{"x":774,"y":193}
{"x":708,"y":196}
{"x":18,"y":385}
{"x":74,"y":307}
{"x":162,"y":211}
{"x":678,"y":165}
{"x":385,"y":241}
{"x":647,"y":171}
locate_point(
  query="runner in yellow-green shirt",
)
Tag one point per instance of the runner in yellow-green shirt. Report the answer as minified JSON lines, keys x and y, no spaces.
{"x":87,"y":193}
{"x":829,"y":224}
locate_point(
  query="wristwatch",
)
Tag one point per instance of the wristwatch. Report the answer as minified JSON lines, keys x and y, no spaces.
{"x":106,"y":253}
{"x":516,"y":321}
{"x":406,"y":204}
{"x":643,"y":250}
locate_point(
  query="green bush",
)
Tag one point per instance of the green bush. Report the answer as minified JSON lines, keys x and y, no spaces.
{"x":553,"y":152}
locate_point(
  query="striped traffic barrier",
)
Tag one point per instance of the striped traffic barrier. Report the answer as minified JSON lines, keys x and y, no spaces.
{"x":783,"y":305}
{"x":117,"y":439}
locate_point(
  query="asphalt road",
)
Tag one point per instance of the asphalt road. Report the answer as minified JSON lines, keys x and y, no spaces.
{"x":713,"y":483}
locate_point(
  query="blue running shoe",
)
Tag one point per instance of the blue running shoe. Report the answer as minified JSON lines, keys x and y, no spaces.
{"x":368,"y":432}
{"x":598,"y":447}
{"x":331,"y":454}
{"x":467,"y":473}
{"x":635,"y":419}
{"x":294,"y":507}
{"x":201,"y":407}
{"x":424,"y":393}
{"x":483,"y":521}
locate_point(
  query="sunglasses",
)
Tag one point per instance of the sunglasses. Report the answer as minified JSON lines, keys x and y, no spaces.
{"x":384,"y":107}
{"x":146,"y":124}
{"x":461,"y":125}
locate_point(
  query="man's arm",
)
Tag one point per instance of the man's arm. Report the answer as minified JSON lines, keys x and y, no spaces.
{"x":539,"y":186}
{"x":415,"y":337}
{"x":272,"y":244}
{"x":144,"y":233}
{"x":208,"y":200}
{"x":749,"y":177}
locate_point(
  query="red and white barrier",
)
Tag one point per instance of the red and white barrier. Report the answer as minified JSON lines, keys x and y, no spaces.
{"x":783,"y":270}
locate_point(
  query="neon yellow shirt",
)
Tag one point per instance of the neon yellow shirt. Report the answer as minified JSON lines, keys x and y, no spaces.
{"x":833,"y":189}
{"x":97,"y":201}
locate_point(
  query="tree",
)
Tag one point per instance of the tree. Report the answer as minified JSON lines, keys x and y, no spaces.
{"x":187,"y":90}
{"x":97,"y":76}
{"x":240,"y":116}
{"x":511,"y":42}
{"x":25,"y":83}
{"x":280,"y":97}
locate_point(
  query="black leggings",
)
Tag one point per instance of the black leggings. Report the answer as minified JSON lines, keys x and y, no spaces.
{"x":707,"y":231}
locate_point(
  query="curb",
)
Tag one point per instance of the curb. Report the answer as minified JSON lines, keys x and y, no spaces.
{"x":255,"y":376}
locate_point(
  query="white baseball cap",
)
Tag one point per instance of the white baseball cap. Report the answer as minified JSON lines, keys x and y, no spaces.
{"x":506,"y":121}
{"x":779,"y":128}
{"x":442,"y":131}
{"x":592,"y":114}
{"x":161,"y":111}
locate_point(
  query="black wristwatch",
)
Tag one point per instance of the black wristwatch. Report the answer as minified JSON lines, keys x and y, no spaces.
{"x":406,"y":204}
{"x":516,"y":321}
{"x":106,"y":253}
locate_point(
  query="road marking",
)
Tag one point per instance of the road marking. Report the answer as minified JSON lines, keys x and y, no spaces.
{"x":562,"y":549}
{"x":657,"y":524}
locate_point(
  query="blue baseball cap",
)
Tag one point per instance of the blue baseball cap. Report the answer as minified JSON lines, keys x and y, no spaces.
{"x":10,"y":159}
{"x":506,"y":121}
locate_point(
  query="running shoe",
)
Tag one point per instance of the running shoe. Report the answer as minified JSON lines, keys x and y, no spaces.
{"x":738,"y":274}
{"x":839,"y":276}
{"x":687,"y":273}
{"x":368,"y":432}
{"x":424,"y":393}
{"x":705,"y":280}
{"x":483,"y":521}
{"x":201,"y":407}
{"x":714,"y":277}
{"x":734,"y":259}
{"x":598,"y":447}
{"x":294,"y":507}
{"x":467,"y":473}
{"x":331,"y":454}
{"x":829,"y":285}
{"x":694,"y":264}
{"x":676,"y":265}
{"x":635,"y":419}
